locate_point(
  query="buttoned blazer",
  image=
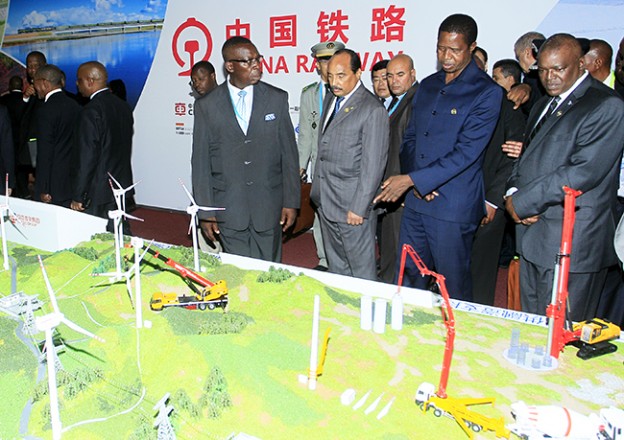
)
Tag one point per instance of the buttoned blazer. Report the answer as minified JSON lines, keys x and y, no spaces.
{"x":7,"y":152}
{"x":580,"y":146}
{"x":450,"y":127}
{"x":254,"y":175}
{"x":309,"y":125}
{"x":56,"y":126}
{"x":352,"y":154}
{"x":104,"y":146}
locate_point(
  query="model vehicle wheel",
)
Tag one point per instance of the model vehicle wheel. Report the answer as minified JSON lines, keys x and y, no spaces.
{"x":201,"y":306}
{"x":211,"y":306}
{"x":475,"y":427}
{"x":437,"y":412}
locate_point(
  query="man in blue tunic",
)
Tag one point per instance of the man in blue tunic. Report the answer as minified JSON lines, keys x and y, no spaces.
{"x":454,"y":115}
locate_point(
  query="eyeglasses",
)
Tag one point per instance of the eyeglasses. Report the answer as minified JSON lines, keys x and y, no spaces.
{"x":249,"y":62}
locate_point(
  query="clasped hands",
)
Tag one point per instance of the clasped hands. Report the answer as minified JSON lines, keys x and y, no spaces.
{"x":512,"y":212}
{"x":395,"y":186}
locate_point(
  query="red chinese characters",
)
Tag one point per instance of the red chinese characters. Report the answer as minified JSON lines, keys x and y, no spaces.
{"x":332,"y":27}
{"x":388,"y":24}
{"x":238,"y":29}
{"x":283,"y":31}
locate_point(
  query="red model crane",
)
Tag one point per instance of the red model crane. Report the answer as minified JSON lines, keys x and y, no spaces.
{"x":447,"y":312}
{"x":591,"y":337}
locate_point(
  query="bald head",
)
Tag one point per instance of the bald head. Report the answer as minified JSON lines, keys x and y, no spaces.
{"x":400,"y":74}
{"x":560,"y":63}
{"x":91,"y":77}
{"x":598,"y":59}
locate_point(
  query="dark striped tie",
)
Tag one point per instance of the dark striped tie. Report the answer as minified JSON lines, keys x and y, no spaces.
{"x":551,"y":109}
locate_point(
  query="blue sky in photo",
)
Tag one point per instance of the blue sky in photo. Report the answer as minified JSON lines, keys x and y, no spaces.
{"x":35,"y":13}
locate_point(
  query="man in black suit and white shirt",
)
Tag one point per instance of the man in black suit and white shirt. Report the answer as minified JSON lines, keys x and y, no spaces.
{"x":104,"y":143}
{"x":245,"y":158}
{"x":574,"y":137}
{"x":56,"y":125}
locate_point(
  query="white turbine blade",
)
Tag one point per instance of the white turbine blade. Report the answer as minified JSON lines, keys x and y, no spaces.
{"x":47,"y":282}
{"x":125,"y":190}
{"x":13,"y":215}
{"x":188,"y":193}
{"x":79,"y":329}
{"x":6,"y":189}
{"x":191,"y":224}
{"x":130,"y":216}
{"x":210,"y":208}
{"x":145,"y":251}
{"x":105,"y":274}
{"x":115,"y":180}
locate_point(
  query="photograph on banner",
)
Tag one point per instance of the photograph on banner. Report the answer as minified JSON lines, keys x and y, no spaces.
{"x":121,"y":35}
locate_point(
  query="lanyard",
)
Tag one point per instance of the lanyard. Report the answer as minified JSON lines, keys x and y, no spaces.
{"x":394,"y":107}
{"x":321,"y":86}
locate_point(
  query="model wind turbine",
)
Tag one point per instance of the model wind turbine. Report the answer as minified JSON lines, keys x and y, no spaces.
{"x":47,"y":324}
{"x":119,"y":192}
{"x":5,"y":211}
{"x":134,"y":270}
{"x":192,"y":211}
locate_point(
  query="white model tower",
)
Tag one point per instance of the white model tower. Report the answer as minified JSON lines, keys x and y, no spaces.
{"x":47,"y":324}
{"x":192,"y":211}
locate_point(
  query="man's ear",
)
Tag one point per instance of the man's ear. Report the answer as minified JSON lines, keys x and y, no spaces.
{"x":228,"y":67}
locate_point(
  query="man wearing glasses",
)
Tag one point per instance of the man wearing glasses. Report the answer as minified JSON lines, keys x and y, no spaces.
{"x":245,"y":158}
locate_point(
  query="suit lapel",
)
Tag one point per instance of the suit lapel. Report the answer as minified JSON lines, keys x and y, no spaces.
{"x":347,"y":108}
{"x":228,"y":115}
{"x":258,"y":107}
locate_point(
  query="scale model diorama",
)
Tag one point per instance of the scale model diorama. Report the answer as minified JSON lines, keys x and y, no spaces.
{"x":235,"y":370}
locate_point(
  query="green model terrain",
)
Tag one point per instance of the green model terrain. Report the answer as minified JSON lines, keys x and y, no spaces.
{"x":237,"y":372}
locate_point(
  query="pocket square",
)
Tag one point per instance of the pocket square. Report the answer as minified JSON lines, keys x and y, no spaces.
{"x":269,"y":117}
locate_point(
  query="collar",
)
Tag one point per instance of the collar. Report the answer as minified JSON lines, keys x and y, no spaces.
{"x":50,"y":93}
{"x":568,"y":92}
{"x":347,"y":96}
{"x":234,"y":90}
{"x":97,"y":92}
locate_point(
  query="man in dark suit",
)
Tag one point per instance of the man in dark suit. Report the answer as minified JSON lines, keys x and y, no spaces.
{"x":352,"y":153}
{"x":15,"y":104}
{"x":574,"y":137}
{"x":401,"y":77}
{"x":245,"y":158}
{"x":497,"y":167}
{"x":7,"y":153}
{"x":56,"y":125}
{"x":526,"y":94}
{"x":104,"y":143}
{"x":455,"y":112}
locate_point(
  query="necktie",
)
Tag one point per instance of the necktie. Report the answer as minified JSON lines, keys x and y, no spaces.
{"x":336,"y":110}
{"x":241,"y":111}
{"x":551,"y":109}
{"x":393,"y":103}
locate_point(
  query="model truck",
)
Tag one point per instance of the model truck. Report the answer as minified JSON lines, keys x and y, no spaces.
{"x":206,"y":294}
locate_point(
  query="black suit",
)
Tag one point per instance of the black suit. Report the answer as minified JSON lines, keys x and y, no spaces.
{"x":7,"y":153}
{"x":104,"y":145}
{"x":56,"y":124}
{"x":14,"y":102}
{"x":580,"y":146}
{"x":252,"y":175}
{"x":391,"y":217}
{"x":497,"y":167}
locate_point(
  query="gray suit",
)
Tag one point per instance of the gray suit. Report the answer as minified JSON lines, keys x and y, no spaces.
{"x":309,"y":126}
{"x":352,"y":155}
{"x":579,"y":146}
{"x":252,"y":176}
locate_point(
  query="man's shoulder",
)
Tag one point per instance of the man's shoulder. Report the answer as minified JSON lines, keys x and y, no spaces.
{"x":309,"y":89}
{"x":270,"y":89}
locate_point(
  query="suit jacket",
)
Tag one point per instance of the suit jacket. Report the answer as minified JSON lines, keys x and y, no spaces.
{"x":104,"y":146}
{"x":14,"y":102}
{"x":579,"y":146}
{"x":497,"y":165}
{"x":252,"y":176}
{"x":450,"y":127}
{"x":7,"y":152}
{"x":309,"y":121}
{"x":352,"y":154}
{"x":56,"y":125}
{"x":398,"y":121}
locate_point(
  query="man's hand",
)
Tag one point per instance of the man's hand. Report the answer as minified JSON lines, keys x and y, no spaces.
{"x":289,"y":215}
{"x":76,"y":206}
{"x":210,"y":228}
{"x":353,"y":219}
{"x":30,"y":91}
{"x":512,"y":212}
{"x":490,"y":212}
{"x":46,"y":198}
{"x":512,"y":149}
{"x":393,"y":188}
{"x":519,"y":95}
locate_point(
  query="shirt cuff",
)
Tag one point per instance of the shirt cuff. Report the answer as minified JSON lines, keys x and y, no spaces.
{"x":510,"y":192}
